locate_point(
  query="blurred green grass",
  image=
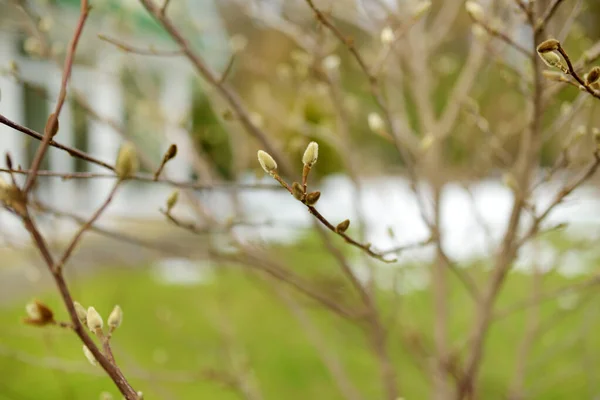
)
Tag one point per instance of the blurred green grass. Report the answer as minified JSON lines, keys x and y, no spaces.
{"x":171,"y":333}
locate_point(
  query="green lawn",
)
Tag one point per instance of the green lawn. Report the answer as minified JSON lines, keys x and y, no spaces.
{"x":172,"y":333}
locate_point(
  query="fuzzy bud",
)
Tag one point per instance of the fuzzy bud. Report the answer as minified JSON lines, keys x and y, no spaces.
{"x":297,"y":191}
{"x":267,"y":162}
{"x":51,"y":125}
{"x":592,"y":76}
{"x":548,"y":45}
{"x":94,"y":319}
{"x":387,"y":35}
{"x":127,"y":161}
{"x":551,"y":59}
{"x":81,"y":312}
{"x":172,"y":200}
{"x":331,"y":62}
{"x":311,"y":154}
{"x":342,"y":226}
{"x":375,"y":121}
{"x":474,"y":10}
{"x":38,"y":314}
{"x":171,"y":152}
{"x":89,"y":355}
{"x":421,"y":9}
{"x":115,"y":318}
{"x":312,"y":198}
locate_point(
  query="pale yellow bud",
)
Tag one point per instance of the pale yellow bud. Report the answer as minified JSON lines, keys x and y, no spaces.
{"x":474,"y":10}
{"x":127,"y":161}
{"x":421,"y":9}
{"x":551,"y":59}
{"x":81,"y":312}
{"x":331,"y":62}
{"x":94,"y":320}
{"x":33,"y":311}
{"x":311,"y":154}
{"x":267,"y":162}
{"x":89,"y":355}
{"x":479,"y":32}
{"x":115,"y":318}
{"x":427,"y":141}
{"x":375,"y":121}
{"x":387,"y":35}
{"x":172,"y":200}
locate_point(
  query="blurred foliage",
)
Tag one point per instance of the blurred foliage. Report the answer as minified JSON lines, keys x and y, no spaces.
{"x":171,"y":333}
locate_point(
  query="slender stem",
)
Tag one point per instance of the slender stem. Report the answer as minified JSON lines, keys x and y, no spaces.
{"x":85,"y":227}
{"x":53,"y":119}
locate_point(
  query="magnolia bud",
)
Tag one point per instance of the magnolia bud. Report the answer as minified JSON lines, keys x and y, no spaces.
{"x":421,"y":8}
{"x":51,"y":125}
{"x":81,"y":312}
{"x":592,"y":76}
{"x":551,"y":59}
{"x":267,"y":162}
{"x":94,"y":320}
{"x":375,"y":122}
{"x":38,"y":314}
{"x":89,"y":355}
{"x":33,"y":310}
{"x":548,"y":45}
{"x":312,"y":198}
{"x":311,"y":154}
{"x":172,"y":200}
{"x":387,"y":35}
{"x":297,"y":191}
{"x":474,"y":10}
{"x":342,"y":226}
{"x":331,"y":62}
{"x":115,"y":318}
{"x":171,"y":152}
{"x":127,"y":161}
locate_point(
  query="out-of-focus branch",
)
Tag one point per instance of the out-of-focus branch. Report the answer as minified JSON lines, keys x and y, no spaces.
{"x":52,"y":123}
{"x":237,"y":106}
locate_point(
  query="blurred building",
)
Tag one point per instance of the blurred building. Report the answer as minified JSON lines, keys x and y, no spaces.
{"x":109,"y":91}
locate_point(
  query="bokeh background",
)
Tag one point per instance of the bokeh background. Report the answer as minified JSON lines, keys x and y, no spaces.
{"x":198,"y":325}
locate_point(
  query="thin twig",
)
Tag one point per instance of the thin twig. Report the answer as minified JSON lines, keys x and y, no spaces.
{"x":52,"y":124}
{"x":575,"y":75}
{"x":136,"y":50}
{"x":541,"y":24}
{"x":83,"y":228}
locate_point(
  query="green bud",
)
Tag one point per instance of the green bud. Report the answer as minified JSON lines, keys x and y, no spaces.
{"x":548,"y":45}
{"x":312,"y":198}
{"x":172,"y":200}
{"x":592,"y":76}
{"x":297,"y":191}
{"x":311,"y":154}
{"x":267,"y":162}
{"x":342,"y":226}
{"x":127,"y":161}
